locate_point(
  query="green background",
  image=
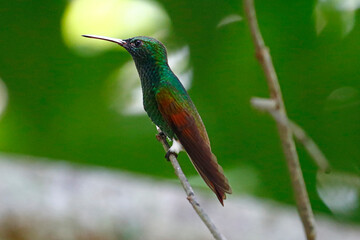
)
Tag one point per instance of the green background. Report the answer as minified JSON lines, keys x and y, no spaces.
{"x":58,"y":106}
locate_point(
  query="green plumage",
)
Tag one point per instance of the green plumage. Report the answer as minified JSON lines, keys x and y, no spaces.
{"x":152,"y":83}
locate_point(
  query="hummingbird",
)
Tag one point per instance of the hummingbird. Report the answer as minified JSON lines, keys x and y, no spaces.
{"x":171,"y":109}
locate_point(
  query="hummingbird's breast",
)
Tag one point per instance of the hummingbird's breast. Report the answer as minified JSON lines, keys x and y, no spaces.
{"x":151,"y":76}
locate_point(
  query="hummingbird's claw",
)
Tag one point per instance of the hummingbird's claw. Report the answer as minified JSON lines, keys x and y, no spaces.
{"x":167,"y":155}
{"x":162,"y":134}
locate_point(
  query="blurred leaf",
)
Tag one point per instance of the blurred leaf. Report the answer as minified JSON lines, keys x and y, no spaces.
{"x":339,"y":13}
{"x":3,"y":97}
{"x":340,"y":192}
{"x":345,"y":97}
{"x":229,"y":19}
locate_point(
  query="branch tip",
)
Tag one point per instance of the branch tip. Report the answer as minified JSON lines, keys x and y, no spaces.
{"x":263,"y":104}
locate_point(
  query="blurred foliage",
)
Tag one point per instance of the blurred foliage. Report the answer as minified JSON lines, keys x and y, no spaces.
{"x":58,"y":99}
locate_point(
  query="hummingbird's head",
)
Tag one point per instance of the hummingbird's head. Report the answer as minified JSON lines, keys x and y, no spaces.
{"x":146,"y":48}
{"x":140,"y":48}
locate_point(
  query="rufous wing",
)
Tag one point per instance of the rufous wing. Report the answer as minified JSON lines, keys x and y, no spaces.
{"x":188,"y":127}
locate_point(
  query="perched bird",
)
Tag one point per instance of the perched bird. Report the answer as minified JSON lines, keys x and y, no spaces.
{"x":169,"y":106}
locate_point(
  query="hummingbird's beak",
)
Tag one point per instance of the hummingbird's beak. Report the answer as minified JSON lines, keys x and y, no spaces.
{"x":115,"y":40}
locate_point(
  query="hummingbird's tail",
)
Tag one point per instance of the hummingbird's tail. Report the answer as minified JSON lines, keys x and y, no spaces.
{"x":205,"y":162}
{"x":207,"y":166}
{"x":218,"y":189}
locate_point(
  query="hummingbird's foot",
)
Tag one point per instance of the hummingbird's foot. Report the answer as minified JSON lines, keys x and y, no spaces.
{"x":162,"y":134}
{"x":167,"y":155}
{"x":161,"y":137}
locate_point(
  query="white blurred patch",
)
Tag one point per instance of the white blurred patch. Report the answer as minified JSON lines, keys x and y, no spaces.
{"x":112,"y":18}
{"x":46,"y":199}
{"x":339,"y":191}
{"x":228,"y":20}
{"x":3,"y":97}
{"x":176,"y":146}
{"x":127,"y":94}
{"x":345,"y":11}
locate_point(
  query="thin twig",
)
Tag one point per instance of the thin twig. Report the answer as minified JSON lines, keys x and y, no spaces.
{"x":282,"y":122}
{"x":269,"y":105}
{"x":189,"y":191}
{"x":311,"y":147}
{"x":263,"y":104}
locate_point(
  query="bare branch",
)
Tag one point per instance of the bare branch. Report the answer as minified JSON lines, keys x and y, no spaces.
{"x":189,"y":191}
{"x":311,"y":147}
{"x":282,"y":122}
{"x":263,"y":104}
{"x":269,"y":105}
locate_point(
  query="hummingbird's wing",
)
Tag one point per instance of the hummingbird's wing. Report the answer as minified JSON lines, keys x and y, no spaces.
{"x":181,"y":115}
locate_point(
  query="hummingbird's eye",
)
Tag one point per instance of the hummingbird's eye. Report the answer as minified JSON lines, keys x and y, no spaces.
{"x":136,"y":43}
